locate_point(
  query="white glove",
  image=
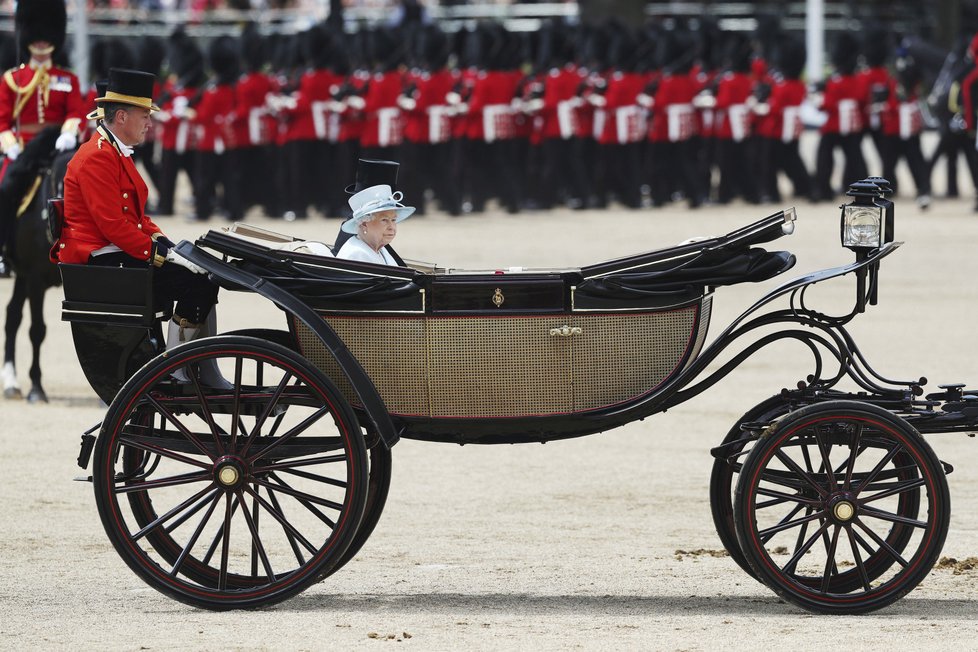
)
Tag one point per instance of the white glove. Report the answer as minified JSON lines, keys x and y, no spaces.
{"x":356,"y":102}
{"x":173,"y":257}
{"x":406,"y":103}
{"x":180,"y":105}
{"x":13,"y":152}
{"x":66,"y":141}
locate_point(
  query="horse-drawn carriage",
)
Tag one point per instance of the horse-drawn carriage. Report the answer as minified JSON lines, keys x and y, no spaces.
{"x":241,"y":497}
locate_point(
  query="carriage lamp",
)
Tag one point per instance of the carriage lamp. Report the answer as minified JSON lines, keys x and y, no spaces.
{"x":867,"y":222}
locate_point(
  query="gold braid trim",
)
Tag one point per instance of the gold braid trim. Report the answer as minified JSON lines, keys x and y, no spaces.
{"x":24,"y":93}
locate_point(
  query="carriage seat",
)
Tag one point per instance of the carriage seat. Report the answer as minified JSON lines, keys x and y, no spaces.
{"x":121,"y":296}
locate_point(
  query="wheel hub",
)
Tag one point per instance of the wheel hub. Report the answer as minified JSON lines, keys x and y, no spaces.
{"x":229,"y":472}
{"x":842,"y":507}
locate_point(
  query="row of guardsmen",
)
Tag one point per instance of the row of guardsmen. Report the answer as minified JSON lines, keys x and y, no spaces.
{"x":632,"y":124}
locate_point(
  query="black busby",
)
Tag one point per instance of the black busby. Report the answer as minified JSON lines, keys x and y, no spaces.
{"x":186,"y":59}
{"x":877,"y":47}
{"x":791,"y":58}
{"x":845,"y":53}
{"x":110,"y":53}
{"x":41,"y":20}
{"x":739,"y":52}
{"x":152,"y":53}
{"x":223,"y":58}
{"x":254,"y":50}
{"x":372,"y":172}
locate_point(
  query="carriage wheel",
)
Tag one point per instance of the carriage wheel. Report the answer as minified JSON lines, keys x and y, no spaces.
{"x":726,"y":471}
{"x":234,"y":498}
{"x":842,"y":508}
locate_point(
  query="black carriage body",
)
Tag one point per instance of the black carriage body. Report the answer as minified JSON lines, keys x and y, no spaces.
{"x":509,"y":357}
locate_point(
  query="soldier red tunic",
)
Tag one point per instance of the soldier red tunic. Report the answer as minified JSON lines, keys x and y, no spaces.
{"x":32,"y":98}
{"x":382,"y":125}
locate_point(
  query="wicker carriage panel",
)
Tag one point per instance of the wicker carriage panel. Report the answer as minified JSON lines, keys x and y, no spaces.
{"x":391,"y":351}
{"x":619,"y":356}
{"x":510,"y":366}
{"x":499,"y":367}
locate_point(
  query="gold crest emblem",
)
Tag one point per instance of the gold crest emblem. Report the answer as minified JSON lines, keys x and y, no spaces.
{"x":497,"y":297}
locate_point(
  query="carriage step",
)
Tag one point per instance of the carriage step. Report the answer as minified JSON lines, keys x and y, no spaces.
{"x":82,"y":478}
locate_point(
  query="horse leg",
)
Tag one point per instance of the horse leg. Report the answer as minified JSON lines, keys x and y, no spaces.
{"x":15,"y":314}
{"x":39,"y":329}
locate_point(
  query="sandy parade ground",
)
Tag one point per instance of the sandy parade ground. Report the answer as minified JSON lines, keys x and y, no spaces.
{"x":602,"y":542}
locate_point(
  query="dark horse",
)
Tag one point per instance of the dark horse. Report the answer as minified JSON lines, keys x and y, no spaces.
{"x":39,"y":171}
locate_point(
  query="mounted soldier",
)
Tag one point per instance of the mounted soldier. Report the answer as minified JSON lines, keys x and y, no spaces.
{"x":33,"y":96}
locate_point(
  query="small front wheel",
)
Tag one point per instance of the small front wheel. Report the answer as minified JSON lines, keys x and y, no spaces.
{"x":231,"y":497}
{"x":842,"y":508}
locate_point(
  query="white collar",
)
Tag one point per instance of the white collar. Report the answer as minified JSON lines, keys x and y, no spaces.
{"x":35,"y":64}
{"x":124,"y":149}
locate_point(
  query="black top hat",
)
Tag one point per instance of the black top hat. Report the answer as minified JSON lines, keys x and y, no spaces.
{"x":129,"y":87}
{"x":374,"y":173}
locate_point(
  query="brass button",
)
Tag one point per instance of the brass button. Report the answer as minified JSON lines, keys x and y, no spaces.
{"x":125,"y":195}
{"x":62,"y":245}
{"x":125,"y":208}
{"x":145,"y":253}
{"x":139,"y":226}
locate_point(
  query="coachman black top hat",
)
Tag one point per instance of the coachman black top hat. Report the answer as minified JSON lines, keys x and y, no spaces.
{"x":372,"y":172}
{"x":133,"y":87}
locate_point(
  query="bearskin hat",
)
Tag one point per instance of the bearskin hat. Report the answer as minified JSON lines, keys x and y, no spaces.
{"x":253,"y":48}
{"x":434,"y":47}
{"x":877,"y":46}
{"x":384,"y":48}
{"x":222,"y":56}
{"x":317,"y":46}
{"x":791,"y":58}
{"x":110,"y":53}
{"x":41,"y":20}
{"x":845,"y":53}
{"x":186,"y":59}
{"x":739,"y":52}
{"x":152,"y":52}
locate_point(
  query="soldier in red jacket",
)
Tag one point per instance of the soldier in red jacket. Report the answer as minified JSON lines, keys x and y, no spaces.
{"x":843,"y":99}
{"x":779,"y":126}
{"x":383,"y":127}
{"x":211,"y":117}
{"x":34,"y":96}
{"x":427,"y":128}
{"x":175,"y":132}
{"x":563,"y":172}
{"x":252,"y":125}
{"x":733,"y":124}
{"x":105,"y":222}
{"x":674,"y":123}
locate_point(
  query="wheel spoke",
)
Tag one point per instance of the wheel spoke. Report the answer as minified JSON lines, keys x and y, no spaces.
{"x":179,"y":426}
{"x":857,"y":558}
{"x":196,"y":535}
{"x":825,"y":450}
{"x":276,"y":512}
{"x":791,"y":464}
{"x":897,"y":488}
{"x":788,"y":516}
{"x":853,"y":454}
{"x":780,"y":527}
{"x":876,"y":469}
{"x":882,"y":544}
{"x":830,"y":567}
{"x":308,"y":461}
{"x":893,"y":518}
{"x":236,"y":409}
{"x":273,"y":401}
{"x":288,"y":535}
{"x":222,"y":580}
{"x":206,"y":409}
{"x":217,"y":537}
{"x":164,"y":452}
{"x":256,"y":542}
{"x":294,"y":432}
{"x":800,"y":552}
{"x":279,"y":482}
{"x":170,"y":514}
{"x":795,"y":498}
{"x":172,"y":481}
{"x":295,"y":493}
{"x":316,"y":477}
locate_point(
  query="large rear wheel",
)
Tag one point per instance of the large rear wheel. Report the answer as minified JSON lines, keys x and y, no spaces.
{"x":231,"y":498}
